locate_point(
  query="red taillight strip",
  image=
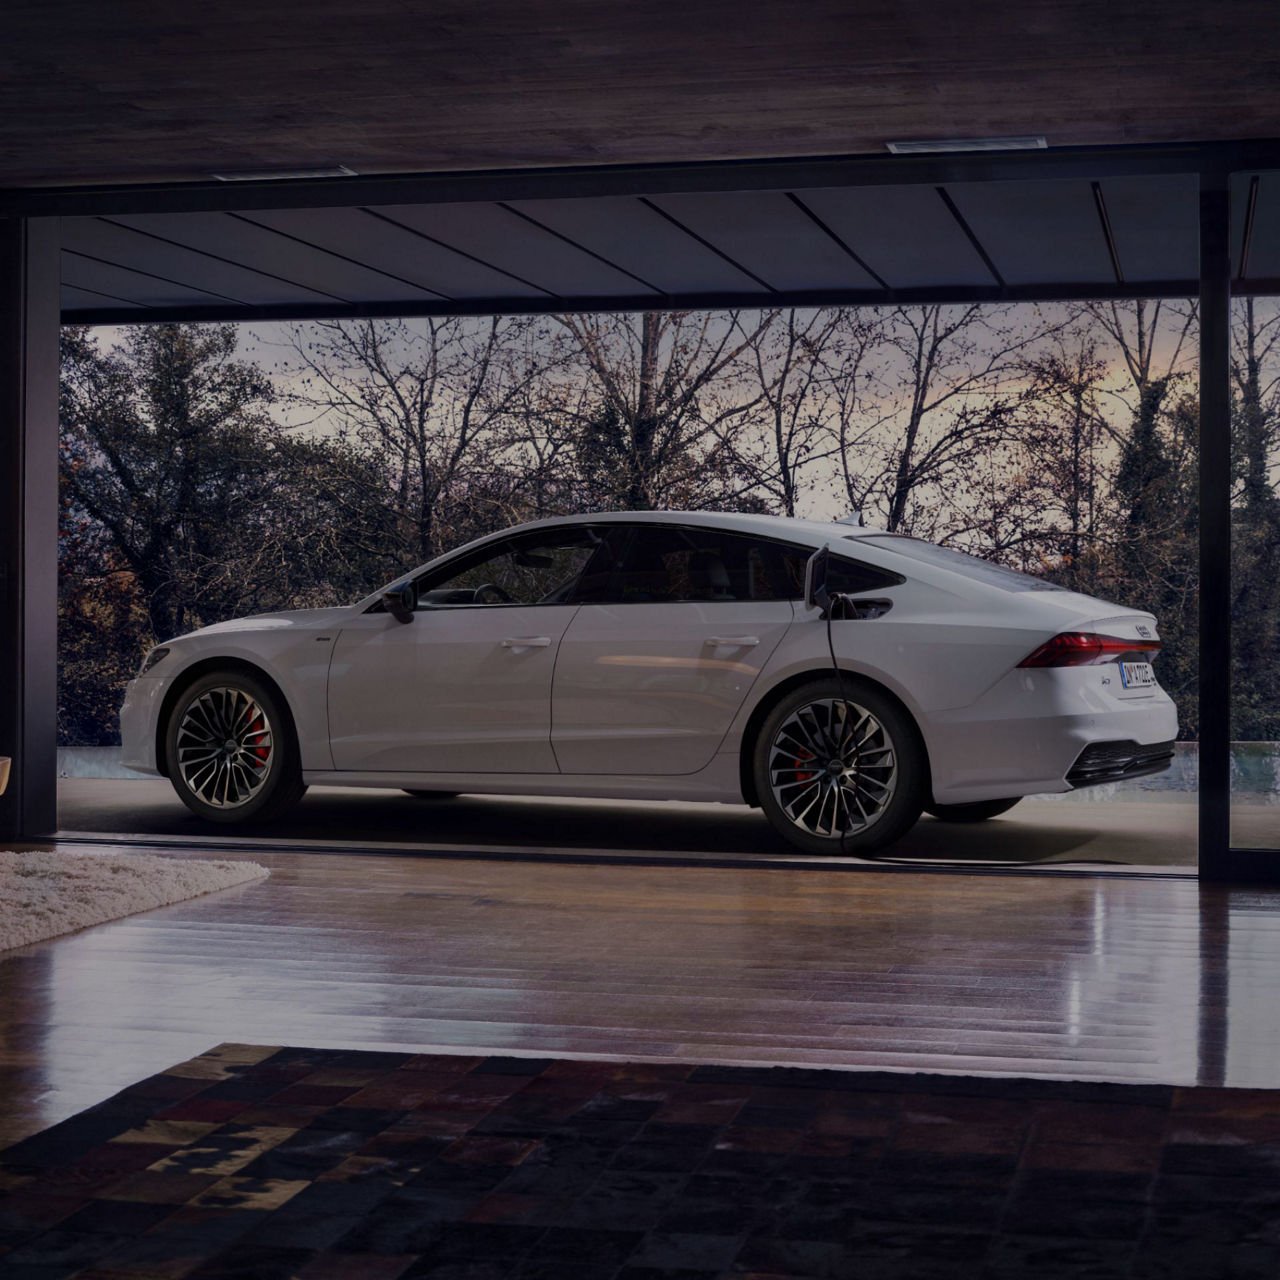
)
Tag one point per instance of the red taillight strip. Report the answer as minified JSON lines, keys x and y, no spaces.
{"x":1085,"y":649}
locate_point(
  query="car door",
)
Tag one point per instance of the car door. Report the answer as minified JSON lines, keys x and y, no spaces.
{"x":465,"y":687}
{"x":652,"y":671}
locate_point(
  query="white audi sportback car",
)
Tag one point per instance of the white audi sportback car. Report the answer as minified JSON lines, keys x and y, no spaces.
{"x":670,"y":655}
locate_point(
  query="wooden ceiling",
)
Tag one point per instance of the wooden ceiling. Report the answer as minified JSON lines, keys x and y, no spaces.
{"x":95,"y":92}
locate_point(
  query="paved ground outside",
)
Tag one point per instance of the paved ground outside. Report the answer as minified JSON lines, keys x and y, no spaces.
{"x":1146,"y":831}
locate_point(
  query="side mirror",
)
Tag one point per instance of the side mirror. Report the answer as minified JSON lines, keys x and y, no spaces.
{"x":400,"y":601}
{"x":816,"y":595}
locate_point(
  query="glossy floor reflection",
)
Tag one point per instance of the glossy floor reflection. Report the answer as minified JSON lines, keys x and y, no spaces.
{"x":1135,"y":831}
{"x":1103,"y":978}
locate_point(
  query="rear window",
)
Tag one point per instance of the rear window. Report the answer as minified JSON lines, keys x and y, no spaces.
{"x":846,"y":577}
{"x":995,"y":575}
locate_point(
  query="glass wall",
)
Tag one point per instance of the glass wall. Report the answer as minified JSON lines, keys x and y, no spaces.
{"x":311,"y":464}
{"x":1255,"y":562}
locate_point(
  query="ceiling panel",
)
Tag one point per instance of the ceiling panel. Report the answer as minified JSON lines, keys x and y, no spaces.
{"x":767,"y":234}
{"x":1045,"y":232}
{"x":131,"y":286}
{"x":906,"y":235}
{"x":1264,"y":241}
{"x":395,"y":250}
{"x":129,"y":247}
{"x":627,"y":232}
{"x":73,"y":299}
{"x":1155,"y":222}
{"x":231,"y":237}
{"x":498,"y":236}
{"x":738,"y":248}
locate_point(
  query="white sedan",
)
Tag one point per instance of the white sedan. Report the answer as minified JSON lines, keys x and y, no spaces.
{"x":671,"y":655}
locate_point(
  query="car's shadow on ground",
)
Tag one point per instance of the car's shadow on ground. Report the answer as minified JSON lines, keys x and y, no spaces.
{"x":1032,"y":833}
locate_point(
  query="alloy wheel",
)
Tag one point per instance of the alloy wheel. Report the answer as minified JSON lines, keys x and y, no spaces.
{"x":832,"y":768}
{"x":225,"y":747}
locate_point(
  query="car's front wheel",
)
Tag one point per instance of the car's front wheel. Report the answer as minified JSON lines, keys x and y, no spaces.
{"x":839,"y":768}
{"x":975,"y":811}
{"x":231,"y":750}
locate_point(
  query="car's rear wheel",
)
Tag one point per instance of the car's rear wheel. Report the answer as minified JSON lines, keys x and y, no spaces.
{"x":429,"y":795}
{"x":231,"y":750}
{"x":976,"y":811}
{"x":839,"y":768}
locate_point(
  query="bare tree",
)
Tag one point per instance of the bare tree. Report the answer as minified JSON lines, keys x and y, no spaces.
{"x":1068,"y":462}
{"x":645,"y":431}
{"x":1255,"y":579}
{"x":945,"y":390}
{"x":797,"y":379}
{"x":1255,"y":373}
{"x":430,"y":398}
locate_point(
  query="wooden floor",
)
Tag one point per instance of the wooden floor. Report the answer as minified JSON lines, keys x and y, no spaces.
{"x":1090,"y":977}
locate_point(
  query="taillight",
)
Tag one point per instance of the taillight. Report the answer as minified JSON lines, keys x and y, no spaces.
{"x":1085,"y":649}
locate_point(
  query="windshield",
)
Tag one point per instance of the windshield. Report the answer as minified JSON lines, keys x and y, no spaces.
{"x":995,"y":575}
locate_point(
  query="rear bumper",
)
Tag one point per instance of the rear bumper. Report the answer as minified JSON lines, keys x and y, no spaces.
{"x":1119,"y":762}
{"x":1043,"y":733}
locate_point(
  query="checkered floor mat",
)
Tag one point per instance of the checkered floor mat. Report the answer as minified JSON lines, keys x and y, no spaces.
{"x":263,"y":1162}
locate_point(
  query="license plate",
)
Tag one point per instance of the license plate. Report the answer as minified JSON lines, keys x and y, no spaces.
{"x":1137,"y":675}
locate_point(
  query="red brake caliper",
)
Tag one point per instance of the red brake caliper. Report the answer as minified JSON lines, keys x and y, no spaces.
{"x":262,"y":751}
{"x":801,"y":756}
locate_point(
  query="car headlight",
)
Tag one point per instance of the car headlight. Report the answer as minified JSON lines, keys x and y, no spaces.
{"x":152,"y":658}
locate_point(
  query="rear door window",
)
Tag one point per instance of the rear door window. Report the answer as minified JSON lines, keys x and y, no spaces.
{"x":673,"y":564}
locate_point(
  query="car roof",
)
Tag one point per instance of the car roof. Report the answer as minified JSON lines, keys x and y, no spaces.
{"x":815,"y":532}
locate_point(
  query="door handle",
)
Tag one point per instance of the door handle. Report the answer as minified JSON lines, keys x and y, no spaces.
{"x":526,"y":642}
{"x":732,"y":642}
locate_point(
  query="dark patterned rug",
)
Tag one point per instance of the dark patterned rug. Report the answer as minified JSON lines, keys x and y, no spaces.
{"x":266,"y":1162}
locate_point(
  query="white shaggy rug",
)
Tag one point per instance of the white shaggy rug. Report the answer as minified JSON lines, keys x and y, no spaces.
{"x":44,"y":894}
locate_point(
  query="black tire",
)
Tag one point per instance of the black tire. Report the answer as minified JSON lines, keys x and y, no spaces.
{"x":977,"y":811}
{"x":896,"y":732}
{"x":276,"y":787}
{"x":429,"y":795}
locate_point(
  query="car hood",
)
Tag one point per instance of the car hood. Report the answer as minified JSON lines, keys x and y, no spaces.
{"x":304,"y":618}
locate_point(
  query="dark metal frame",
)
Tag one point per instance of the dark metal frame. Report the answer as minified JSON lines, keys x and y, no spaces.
{"x":614,"y":180}
{"x":632,"y":302}
{"x":29,"y":523}
{"x":28,"y":374}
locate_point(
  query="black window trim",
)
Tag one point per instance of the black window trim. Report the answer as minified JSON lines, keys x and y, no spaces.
{"x":632,"y":528}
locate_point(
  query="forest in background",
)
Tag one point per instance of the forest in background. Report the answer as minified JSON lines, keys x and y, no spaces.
{"x":198,"y":484}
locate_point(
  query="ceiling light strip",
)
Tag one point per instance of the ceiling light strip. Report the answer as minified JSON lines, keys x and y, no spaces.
{"x":286,"y":175}
{"x":946,"y":146}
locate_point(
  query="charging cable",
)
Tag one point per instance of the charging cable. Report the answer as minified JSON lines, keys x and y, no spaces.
{"x":839,"y":605}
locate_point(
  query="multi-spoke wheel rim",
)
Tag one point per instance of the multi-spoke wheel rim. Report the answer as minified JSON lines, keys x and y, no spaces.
{"x":832,"y":768}
{"x":225,"y":747}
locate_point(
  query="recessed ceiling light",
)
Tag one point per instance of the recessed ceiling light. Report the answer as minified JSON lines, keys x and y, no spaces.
{"x":278,"y":175}
{"x":925,"y":146}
